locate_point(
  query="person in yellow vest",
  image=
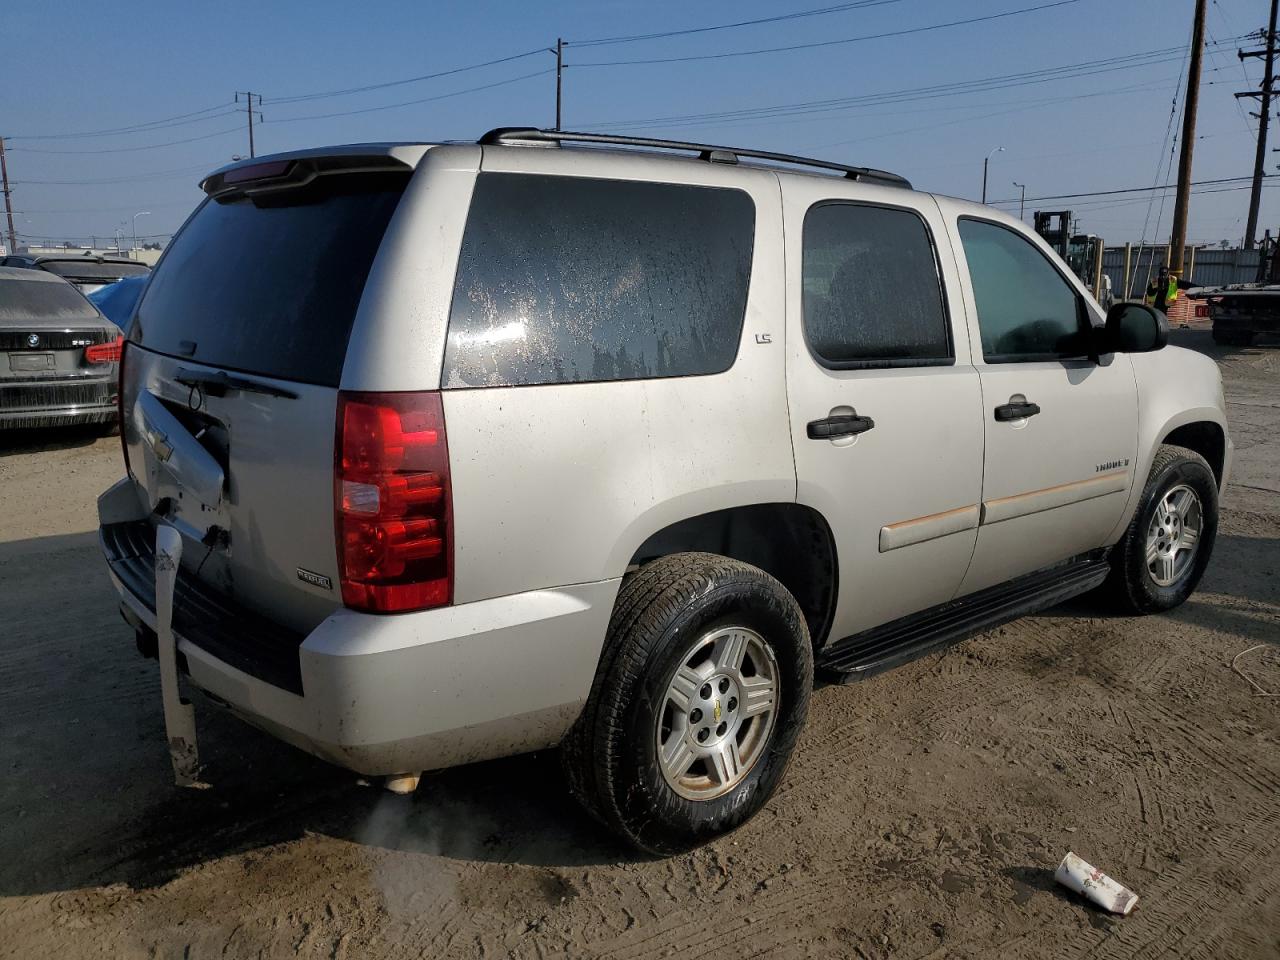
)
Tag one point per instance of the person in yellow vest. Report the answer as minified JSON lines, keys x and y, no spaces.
{"x":1162,"y":292}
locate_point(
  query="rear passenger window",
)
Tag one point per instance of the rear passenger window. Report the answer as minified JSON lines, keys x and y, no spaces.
{"x":872,"y":294}
{"x":568,"y":279}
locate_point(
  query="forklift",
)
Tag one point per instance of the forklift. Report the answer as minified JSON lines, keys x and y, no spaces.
{"x":1082,"y":252}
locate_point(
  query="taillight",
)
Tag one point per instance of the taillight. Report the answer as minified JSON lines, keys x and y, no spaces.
{"x":392,"y":502}
{"x":105,"y":352}
{"x":124,"y":440}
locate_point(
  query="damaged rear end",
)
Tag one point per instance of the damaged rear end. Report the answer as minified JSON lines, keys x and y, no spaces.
{"x":236,"y":433}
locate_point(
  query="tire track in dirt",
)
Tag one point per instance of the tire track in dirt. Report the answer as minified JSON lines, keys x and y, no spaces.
{"x":689,"y":934}
{"x":1187,"y":905}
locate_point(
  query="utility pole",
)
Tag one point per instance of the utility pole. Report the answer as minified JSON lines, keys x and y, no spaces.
{"x":559,"y":77}
{"x":8,"y":203}
{"x":1178,"y":241}
{"x":248,"y":97}
{"x":1264,"y":116}
{"x":1022,"y":201}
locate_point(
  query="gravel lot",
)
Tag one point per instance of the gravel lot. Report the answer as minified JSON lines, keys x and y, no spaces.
{"x":923,"y":816}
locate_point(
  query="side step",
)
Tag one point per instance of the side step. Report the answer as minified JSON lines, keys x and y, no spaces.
{"x":893,"y":644}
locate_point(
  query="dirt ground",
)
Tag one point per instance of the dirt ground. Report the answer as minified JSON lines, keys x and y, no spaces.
{"x":923,"y":816}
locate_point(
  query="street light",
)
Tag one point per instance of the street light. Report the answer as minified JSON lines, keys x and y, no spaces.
{"x":140,"y":213}
{"x":985,"y":163}
{"x":1022,"y":203}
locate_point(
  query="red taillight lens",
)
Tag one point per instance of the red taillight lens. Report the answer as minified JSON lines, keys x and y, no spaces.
{"x":124,"y":440}
{"x":392,"y":502}
{"x":105,"y":352}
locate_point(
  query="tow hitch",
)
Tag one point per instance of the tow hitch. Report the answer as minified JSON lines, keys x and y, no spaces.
{"x":179,"y":715}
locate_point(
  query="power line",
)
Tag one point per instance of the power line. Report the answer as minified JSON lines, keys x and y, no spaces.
{"x":150,"y":146}
{"x":1114,"y":204}
{"x":137,"y":178}
{"x":931,"y":92}
{"x":799,"y":14}
{"x":826,"y":43}
{"x":1111,"y":193}
{"x":407,"y":103}
{"x":397,"y":83}
{"x":196,"y":116}
{"x":1024,"y":105}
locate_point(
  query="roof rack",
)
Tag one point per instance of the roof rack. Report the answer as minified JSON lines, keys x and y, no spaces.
{"x":705,"y":151}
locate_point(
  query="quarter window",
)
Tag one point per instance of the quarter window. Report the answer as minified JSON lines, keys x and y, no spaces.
{"x":1026,"y":309}
{"x":569,"y":279}
{"x":872,"y":295}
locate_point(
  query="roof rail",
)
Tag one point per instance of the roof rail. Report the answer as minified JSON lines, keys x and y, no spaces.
{"x":705,"y":151}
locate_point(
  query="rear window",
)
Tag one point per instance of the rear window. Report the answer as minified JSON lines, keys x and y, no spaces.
{"x":92,"y":270}
{"x":270,"y":285}
{"x":43,"y":300}
{"x":568,"y":279}
{"x":872,"y":294}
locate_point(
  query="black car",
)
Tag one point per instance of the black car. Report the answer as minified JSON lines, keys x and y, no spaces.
{"x":59,"y":356}
{"x":88,"y":272}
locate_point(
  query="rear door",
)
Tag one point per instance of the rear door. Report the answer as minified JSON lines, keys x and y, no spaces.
{"x":884,"y":405}
{"x":1060,"y":427}
{"x":232,"y":373}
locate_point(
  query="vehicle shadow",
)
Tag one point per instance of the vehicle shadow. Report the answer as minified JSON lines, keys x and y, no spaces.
{"x":1241,"y":567}
{"x":87,"y":799}
{"x":1200,"y":338}
{"x":45,"y":439}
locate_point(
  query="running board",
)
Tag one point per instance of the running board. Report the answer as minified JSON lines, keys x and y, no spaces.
{"x":896,"y":643}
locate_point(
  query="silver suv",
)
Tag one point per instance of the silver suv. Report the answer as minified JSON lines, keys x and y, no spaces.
{"x":614,"y":444}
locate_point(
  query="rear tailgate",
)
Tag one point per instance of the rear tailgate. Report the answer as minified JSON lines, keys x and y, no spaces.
{"x":231,"y":379}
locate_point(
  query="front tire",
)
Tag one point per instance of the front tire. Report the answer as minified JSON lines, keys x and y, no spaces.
{"x":1163,"y":554}
{"x":702,"y":690}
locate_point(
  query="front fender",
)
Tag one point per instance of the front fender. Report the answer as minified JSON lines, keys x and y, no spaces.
{"x":1176,"y":387}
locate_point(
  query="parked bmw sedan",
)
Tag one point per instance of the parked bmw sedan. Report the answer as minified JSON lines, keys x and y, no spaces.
{"x":58,"y":354}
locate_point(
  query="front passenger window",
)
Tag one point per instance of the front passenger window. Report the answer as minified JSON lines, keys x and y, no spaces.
{"x":1026,"y":309}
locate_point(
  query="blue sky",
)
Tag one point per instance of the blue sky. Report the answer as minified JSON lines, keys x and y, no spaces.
{"x":76,"y":67}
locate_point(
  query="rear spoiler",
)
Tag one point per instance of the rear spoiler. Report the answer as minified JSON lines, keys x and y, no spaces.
{"x":268,"y":176}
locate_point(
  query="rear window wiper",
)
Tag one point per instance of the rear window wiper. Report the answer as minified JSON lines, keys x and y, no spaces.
{"x":217,"y":384}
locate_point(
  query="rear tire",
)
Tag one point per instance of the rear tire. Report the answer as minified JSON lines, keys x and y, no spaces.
{"x":702,"y":689}
{"x":1163,"y":554}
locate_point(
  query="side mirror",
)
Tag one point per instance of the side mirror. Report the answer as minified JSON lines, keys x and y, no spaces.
{"x":1134,"y":328}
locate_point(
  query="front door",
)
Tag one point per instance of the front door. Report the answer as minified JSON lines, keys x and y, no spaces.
{"x":1060,"y":427}
{"x":885,"y":407}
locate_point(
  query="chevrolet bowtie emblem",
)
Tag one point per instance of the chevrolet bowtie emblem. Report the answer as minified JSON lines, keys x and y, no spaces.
{"x":717,"y":711}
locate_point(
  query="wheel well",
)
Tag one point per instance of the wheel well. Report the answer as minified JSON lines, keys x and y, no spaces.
{"x":1205,"y":438}
{"x":790,"y":542}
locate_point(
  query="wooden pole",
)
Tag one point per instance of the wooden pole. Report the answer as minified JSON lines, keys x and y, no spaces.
{"x":1179,"y":238}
